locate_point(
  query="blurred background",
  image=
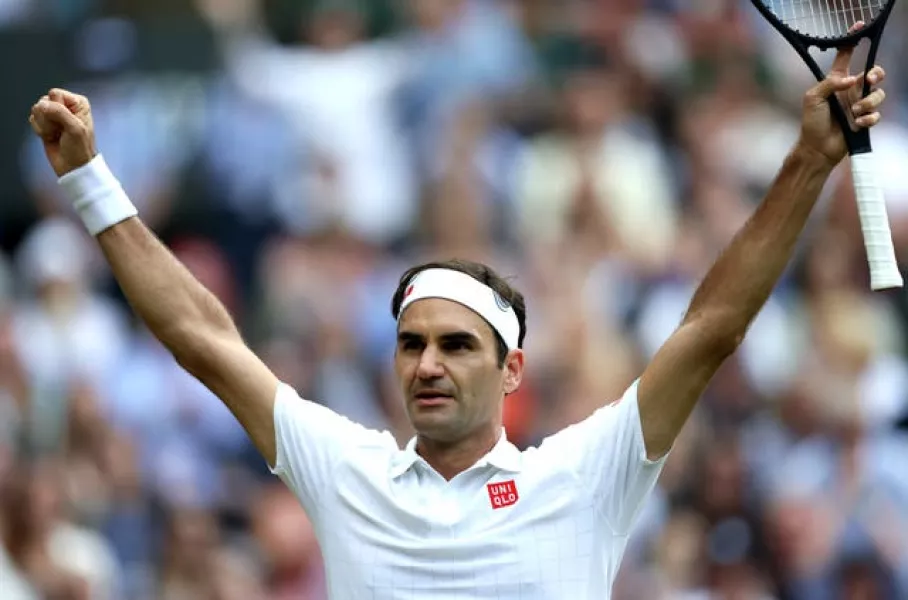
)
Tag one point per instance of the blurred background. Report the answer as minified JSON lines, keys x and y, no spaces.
{"x":297,"y":155}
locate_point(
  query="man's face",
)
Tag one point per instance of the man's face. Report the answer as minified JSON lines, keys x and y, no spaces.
{"x":447,"y":364}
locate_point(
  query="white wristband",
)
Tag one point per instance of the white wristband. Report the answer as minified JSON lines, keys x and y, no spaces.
{"x":97,"y":196}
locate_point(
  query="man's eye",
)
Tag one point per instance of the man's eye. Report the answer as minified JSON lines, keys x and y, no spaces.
{"x":456,"y":346}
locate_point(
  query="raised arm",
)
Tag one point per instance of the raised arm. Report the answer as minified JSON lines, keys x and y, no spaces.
{"x":187,"y":318}
{"x":741,"y":280}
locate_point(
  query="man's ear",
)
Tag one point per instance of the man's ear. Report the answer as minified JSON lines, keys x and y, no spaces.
{"x":513,"y":371}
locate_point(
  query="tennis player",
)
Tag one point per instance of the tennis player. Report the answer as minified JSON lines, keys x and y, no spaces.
{"x":459,"y":512}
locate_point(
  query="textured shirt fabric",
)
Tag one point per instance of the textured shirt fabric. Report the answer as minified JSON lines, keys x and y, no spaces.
{"x":548,"y":522}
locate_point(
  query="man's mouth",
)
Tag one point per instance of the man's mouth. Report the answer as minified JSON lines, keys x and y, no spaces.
{"x":429,"y":398}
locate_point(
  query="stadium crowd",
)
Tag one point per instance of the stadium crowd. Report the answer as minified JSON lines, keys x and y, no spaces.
{"x":601,"y":152}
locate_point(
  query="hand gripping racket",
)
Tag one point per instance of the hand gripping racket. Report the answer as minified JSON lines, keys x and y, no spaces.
{"x":826,"y":24}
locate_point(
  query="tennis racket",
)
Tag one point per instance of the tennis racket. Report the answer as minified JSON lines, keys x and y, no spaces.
{"x":826,"y":24}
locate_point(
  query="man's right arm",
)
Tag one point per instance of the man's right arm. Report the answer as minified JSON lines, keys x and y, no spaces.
{"x":194,"y":326}
{"x":188,"y":319}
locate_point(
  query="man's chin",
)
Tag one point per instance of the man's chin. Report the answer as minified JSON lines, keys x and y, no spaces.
{"x":436,"y":423}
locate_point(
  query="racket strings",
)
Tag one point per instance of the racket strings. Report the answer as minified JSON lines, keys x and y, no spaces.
{"x":825,"y":18}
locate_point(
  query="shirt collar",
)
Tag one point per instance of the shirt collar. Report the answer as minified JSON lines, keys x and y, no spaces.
{"x":504,"y":456}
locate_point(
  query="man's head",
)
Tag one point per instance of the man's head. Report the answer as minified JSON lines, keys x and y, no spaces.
{"x":461,"y":328}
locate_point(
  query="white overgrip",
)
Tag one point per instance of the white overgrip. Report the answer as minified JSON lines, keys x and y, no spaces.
{"x":884,"y":271}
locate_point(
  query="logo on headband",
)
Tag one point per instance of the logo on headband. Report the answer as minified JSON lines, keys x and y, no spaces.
{"x":503,"y":304}
{"x":409,"y":291}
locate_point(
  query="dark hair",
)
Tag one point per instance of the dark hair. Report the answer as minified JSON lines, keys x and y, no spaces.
{"x":481,"y":273}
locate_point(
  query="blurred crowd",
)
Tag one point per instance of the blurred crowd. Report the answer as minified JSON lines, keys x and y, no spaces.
{"x":599,"y":152}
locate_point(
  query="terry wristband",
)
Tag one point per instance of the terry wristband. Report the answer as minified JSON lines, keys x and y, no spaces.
{"x":97,"y":196}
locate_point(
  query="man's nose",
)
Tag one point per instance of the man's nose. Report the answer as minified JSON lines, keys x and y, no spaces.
{"x":430,"y":364}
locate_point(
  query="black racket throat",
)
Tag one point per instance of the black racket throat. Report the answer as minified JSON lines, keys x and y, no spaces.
{"x":858,"y":141}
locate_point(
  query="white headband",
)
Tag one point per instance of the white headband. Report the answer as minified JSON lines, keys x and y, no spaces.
{"x":463,"y":289}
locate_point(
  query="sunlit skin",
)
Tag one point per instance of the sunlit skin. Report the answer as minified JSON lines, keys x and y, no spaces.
{"x":447,"y":365}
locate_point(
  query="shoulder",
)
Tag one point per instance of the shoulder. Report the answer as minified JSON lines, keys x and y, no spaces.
{"x":323,"y":423}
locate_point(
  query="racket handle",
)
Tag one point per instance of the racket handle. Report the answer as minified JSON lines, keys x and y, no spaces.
{"x":884,"y":271}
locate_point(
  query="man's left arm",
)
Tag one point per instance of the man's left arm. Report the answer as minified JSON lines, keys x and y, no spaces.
{"x":742,"y":279}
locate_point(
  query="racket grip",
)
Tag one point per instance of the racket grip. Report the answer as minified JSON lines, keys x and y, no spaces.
{"x":884,"y":271}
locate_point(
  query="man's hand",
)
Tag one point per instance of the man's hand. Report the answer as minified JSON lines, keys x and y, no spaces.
{"x":820,"y":131}
{"x":63,"y":122}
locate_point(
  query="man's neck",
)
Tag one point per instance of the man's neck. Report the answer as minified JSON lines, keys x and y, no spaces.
{"x":451,"y":459}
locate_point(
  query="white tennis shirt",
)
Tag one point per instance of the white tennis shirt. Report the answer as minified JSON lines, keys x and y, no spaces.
{"x":549,"y":522}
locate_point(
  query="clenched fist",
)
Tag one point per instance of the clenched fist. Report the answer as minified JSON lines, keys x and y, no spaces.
{"x":63,"y":122}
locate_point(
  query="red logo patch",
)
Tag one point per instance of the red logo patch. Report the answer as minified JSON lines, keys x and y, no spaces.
{"x":502,"y":494}
{"x":409,"y":290}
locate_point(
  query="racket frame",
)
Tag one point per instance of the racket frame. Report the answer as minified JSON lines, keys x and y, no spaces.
{"x":857,"y":141}
{"x":884,"y":270}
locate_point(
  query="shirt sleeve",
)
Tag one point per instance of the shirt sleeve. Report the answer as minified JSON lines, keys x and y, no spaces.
{"x":311,"y":440}
{"x":607,"y":453}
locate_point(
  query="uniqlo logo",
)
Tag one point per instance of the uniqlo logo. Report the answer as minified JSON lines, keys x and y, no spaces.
{"x":502,"y":494}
